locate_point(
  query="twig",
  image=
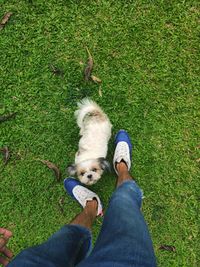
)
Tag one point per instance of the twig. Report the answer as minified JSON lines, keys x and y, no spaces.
{"x":5,"y":19}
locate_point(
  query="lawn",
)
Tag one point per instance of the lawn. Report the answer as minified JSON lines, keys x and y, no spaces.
{"x":146,"y":54}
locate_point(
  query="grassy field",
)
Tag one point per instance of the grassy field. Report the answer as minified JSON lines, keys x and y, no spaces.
{"x":146,"y":54}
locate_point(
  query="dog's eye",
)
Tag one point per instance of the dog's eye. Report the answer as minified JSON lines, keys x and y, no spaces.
{"x":94,"y":170}
{"x":82,"y":173}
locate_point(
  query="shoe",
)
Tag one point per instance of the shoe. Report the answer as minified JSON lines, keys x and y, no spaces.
{"x":77,"y":191}
{"x":123,"y":149}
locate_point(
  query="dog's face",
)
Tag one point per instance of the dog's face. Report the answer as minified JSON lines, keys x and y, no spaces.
{"x":89,"y":171}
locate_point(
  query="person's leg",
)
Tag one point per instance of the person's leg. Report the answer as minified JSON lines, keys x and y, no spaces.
{"x":124,"y":239}
{"x":65,"y":248}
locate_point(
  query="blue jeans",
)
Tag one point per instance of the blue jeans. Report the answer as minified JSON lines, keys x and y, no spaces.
{"x":123,"y":241}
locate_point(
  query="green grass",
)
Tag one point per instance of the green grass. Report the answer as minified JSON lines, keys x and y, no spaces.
{"x":146,"y":53}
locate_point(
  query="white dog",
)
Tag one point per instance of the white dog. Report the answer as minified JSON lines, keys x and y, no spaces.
{"x":95,"y":131}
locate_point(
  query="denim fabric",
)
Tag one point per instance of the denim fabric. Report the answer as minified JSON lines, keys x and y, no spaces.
{"x":65,"y":248}
{"x":124,"y":240}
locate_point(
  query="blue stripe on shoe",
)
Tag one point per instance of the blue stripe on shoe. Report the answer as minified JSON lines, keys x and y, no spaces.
{"x":123,"y":136}
{"x":69,"y":184}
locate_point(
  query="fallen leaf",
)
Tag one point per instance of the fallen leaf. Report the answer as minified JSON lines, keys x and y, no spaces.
{"x":53,"y":167}
{"x":198,"y":160}
{"x":95,"y":79}
{"x":61,"y":203}
{"x":6,"y":154}
{"x":5,"y":19}
{"x":7,"y":117}
{"x":168,"y":248}
{"x":89,"y":66}
{"x":56,"y":71}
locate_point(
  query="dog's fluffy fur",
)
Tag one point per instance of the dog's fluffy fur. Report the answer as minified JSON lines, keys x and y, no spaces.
{"x":95,"y":131}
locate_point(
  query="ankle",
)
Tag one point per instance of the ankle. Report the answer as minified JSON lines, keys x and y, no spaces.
{"x":87,"y":216}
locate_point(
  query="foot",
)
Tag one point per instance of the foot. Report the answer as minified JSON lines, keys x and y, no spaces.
{"x":91,"y":208}
{"x":123,"y":150}
{"x":84,"y":196}
{"x":121,"y":167}
{"x":123,"y":174}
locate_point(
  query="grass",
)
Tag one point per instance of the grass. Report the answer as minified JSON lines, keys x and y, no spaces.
{"x":146,"y":53}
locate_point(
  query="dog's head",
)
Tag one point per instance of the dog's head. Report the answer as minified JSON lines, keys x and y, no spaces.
{"x":89,"y":171}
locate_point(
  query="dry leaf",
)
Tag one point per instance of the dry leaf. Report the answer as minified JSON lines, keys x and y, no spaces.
{"x":7,"y":117}
{"x":61,"y":203}
{"x":6,"y":154}
{"x":53,"y":167}
{"x":89,"y":66}
{"x":95,"y":79}
{"x":198,"y":160}
{"x":5,"y":19}
{"x":168,"y":248}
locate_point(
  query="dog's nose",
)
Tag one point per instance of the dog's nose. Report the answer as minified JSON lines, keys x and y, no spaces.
{"x":89,"y":176}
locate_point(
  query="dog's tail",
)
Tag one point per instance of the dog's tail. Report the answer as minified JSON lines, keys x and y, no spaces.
{"x":88,"y":109}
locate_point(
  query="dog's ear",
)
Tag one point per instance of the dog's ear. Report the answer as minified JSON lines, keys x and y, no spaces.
{"x":71,"y":169}
{"x":105,"y":165}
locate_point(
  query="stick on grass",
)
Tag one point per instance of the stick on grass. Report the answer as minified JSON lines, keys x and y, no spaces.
{"x":5,"y":19}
